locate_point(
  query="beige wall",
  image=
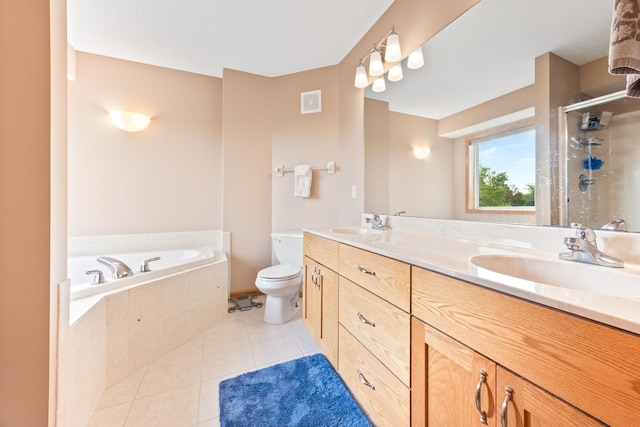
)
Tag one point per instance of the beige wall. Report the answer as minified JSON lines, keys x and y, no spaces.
{"x":305,"y":139}
{"x":247,"y":123}
{"x":167,"y":177}
{"x":25,"y":139}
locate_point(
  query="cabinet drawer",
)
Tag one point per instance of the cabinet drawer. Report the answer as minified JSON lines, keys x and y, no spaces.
{"x":380,"y":326}
{"x":385,"y":277}
{"x":324,"y":251}
{"x":386,"y":401}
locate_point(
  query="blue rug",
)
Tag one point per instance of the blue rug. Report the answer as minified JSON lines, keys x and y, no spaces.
{"x":301,"y":392}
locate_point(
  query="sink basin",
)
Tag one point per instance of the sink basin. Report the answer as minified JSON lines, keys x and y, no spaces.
{"x":354,"y":230}
{"x":521,"y":270}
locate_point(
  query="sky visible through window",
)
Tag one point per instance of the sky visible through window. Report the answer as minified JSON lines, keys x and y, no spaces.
{"x":514,"y":154}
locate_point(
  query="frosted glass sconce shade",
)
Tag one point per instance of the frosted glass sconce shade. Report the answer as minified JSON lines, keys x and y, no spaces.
{"x":395,"y":73}
{"x":361,"y":77}
{"x":416,"y":59}
{"x":379,"y":84}
{"x":421,"y":152}
{"x":375,"y":64}
{"x":392,"y":51}
{"x":128,"y":121}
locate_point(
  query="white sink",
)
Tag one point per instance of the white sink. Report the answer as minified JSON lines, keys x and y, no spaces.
{"x":562,"y":274}
{"x":354,"y":230}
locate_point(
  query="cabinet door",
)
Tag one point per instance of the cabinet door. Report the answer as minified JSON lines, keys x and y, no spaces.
{"x":320,"y":307}
{"x":328,"y":282}
{"x":451,"y":384}
{"x":312,"y":303}
{"x":522,"y":404}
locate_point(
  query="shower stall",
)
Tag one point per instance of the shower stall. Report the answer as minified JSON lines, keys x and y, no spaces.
{"x":600,"y":146}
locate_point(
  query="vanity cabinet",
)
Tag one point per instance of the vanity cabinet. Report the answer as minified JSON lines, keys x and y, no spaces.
{"x":375,"y":339}
{"x":561,"y":370}
{"x":320,"y":293}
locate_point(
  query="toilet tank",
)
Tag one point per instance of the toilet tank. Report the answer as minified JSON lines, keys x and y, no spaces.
{"x":287,"y":247}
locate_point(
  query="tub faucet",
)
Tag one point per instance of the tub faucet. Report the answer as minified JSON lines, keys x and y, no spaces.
{"x":117,"y":267}
{"x":583,"y":248}
{"x":376,"y":222}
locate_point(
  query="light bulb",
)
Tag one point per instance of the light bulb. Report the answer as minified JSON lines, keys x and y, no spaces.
{"x":392,"y":51}
{"x":416,"y":59}
{"x":395,"y":73}
{"x":379,"y":84}
{"x":361,"y":77}
{"x":421,"y":152}
{"x":375,"y":64}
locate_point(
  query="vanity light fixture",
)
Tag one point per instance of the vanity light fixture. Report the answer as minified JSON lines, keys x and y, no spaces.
{"x":395,"y":73}
{"x":416,"y":60}
{"x":379,"y":85}
{"x":386,"y":50}
{"x":421,"y":153}
{"x":130,"y":121}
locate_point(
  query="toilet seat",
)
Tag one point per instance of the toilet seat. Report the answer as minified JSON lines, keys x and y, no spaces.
{"x":279,"y":272}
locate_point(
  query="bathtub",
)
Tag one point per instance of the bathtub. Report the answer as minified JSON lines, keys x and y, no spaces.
{"x":171,"y":263}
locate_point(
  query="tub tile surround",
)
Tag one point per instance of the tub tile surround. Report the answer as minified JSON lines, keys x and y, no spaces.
{"x":445,"y":246}
{"x":108,"y":337}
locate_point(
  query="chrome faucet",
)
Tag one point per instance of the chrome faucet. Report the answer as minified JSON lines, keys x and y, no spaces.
{"x":614,"y":225}
{"x":376,"y":222}
{"x":144,"y":268}
{"x":118,"y":268}
{"x":583,"y":248}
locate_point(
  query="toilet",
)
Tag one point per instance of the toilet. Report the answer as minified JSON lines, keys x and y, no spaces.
{"x":281,"y":283}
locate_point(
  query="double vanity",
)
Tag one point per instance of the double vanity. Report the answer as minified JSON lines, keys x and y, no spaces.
{"x":448,"y":325}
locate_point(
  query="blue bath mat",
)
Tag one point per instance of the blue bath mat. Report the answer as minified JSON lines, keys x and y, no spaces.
{"x":301,"y":392}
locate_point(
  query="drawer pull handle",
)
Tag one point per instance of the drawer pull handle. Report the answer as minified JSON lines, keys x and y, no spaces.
{"x":505,"y":405}
{"x":364,"y":381}
{"x":482,"y":380}
{"x":365,"y":320}
{"x":365,"y":271}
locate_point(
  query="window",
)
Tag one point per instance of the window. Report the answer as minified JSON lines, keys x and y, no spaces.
{"x":501,"y":171}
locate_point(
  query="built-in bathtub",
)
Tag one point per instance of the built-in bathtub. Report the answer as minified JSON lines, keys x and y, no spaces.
{"x":171,"y":263}
{"x":116,"y":329}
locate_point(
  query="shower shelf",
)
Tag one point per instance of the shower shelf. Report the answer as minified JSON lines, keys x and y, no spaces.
{"x":587,"y":142}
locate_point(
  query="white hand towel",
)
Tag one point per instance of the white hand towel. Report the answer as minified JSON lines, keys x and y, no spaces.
{"x":302,"y":180}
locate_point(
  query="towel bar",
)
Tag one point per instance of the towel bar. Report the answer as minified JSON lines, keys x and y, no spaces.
{"x":331,"y":169}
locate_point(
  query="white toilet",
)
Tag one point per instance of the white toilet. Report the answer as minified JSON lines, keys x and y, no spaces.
{"x":282,"y":282}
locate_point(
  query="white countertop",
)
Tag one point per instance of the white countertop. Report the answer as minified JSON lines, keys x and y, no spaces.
{"x":450,"y":256}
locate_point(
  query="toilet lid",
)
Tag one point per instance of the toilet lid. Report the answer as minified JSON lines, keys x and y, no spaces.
{"x":280,"y":271}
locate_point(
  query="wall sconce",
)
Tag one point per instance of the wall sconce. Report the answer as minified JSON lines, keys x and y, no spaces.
{"x":129,"y":121}
{"x":421,"y":153}
{"x":388,"y":47}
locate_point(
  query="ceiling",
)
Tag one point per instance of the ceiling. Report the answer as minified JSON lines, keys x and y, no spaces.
{"x":268,"y":38}
{"x":489,"y":51}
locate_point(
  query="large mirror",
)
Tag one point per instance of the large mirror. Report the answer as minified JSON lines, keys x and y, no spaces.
{"x":502,"y":61}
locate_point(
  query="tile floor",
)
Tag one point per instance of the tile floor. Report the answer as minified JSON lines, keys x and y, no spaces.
{"x":181,"y":388}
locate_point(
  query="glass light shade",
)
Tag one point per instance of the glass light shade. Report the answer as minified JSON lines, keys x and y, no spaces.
{"x":362,"y":80}
{"x":392,"y":51}
{"x":379,"y":85}
{"x":416,"y":59}
{"x":129,"y":121}
{"x":375,"y":64}
{"x":421,"y":152}
{"x":395,"y":73}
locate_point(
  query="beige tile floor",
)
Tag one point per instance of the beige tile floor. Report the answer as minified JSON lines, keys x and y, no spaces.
{"x":181,"y":388}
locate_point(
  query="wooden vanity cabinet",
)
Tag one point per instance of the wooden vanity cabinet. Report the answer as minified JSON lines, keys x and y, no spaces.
{"x":562,"y":370}
{"x":320,"y":293}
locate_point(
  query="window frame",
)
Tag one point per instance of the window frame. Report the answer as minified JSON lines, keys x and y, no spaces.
{"x":471,"y":181}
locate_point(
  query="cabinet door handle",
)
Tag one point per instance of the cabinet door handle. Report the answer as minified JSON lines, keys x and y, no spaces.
{"x":482,"y":380}
{"x":365,"y":320}
{"x":365,"y":271}
{"x":314,"y":277}
{"x":505,"y":405}
{"x":364,"y":381}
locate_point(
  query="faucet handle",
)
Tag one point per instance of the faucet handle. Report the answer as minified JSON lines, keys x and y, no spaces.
{"x":98,"y":277}
{"x":144,"y":268}
{"x":584,"y":232}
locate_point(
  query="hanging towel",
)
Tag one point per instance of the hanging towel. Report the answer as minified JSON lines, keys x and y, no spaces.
{"x":302,"y":180}
{"x":624,"y":48}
